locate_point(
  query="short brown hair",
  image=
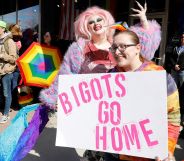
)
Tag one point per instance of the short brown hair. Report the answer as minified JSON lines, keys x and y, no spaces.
{"x":15,"y":30}
{"x":132,"y":34}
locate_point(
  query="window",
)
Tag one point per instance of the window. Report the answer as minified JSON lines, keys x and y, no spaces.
{"x":25,"y":13}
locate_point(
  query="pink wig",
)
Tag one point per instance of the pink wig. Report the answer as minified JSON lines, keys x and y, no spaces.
{"x":80,"y":24}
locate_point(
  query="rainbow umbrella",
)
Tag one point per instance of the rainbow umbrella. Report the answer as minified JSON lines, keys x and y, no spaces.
{"x":39,"y":65}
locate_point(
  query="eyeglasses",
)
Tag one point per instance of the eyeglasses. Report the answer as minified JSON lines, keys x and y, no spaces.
{"x":120,"y":47}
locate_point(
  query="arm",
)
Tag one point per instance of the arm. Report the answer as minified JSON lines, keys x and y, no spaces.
{"x":141,"y":14}
{"x":173,"y":58}
{"x":173,"y":108}
{"x":70,"y":65}
{"x":149,"y":33}
{"x":173,"y":118}
{"x":169,"y":158}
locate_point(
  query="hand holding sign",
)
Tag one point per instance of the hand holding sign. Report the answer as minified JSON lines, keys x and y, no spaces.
{"x":107,"y":112}
{"x":169,"y":158}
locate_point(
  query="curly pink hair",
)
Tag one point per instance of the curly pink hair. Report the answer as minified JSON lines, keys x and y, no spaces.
{"x":80,"y":24}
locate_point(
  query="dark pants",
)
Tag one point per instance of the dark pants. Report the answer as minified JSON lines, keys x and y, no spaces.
{"x":111,"y":157}
{"x":6,"y":96}
{"x":15,"y":80}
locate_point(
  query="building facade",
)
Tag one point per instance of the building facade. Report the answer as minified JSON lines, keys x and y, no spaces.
{"x":58,"y":16}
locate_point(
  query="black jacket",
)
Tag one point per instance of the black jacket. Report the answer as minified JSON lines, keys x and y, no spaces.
{"x":176,"y":58}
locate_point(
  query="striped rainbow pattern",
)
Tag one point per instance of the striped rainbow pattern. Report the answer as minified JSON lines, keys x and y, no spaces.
{"x":39,"y":65}
{"x":122,"y":26}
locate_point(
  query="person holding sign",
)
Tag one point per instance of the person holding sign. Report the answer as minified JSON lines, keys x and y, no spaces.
{"x":126,"y":49}
{"x":90,"y":53}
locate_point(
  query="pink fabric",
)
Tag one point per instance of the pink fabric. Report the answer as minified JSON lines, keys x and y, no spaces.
{"x":19,"y":45}
{"x":96,"y":60}
{"x":71,"y":65}
{"x":149,"y":39}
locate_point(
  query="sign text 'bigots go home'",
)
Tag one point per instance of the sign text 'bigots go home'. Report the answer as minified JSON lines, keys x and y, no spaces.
{"x":109,"y":112}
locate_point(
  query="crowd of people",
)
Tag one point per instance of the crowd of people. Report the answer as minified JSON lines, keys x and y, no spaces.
{"x":98,"y":49}
{"x":13,"y":43}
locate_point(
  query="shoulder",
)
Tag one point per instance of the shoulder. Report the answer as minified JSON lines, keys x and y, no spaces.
{"x":171,"y":85}
{"x":79,"y":44}
{"x":74,"y":54}
{"x":77,"y":47}
{"x":8,"y":39}
{"x":149,"y":66}
{"x":113,"y":70}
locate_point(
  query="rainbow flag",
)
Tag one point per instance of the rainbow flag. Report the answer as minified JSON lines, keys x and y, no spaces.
{"x":21,"y":136}
{"x":122,"y":26}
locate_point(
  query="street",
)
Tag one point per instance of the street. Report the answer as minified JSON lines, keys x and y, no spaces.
{"x":45,"y":149}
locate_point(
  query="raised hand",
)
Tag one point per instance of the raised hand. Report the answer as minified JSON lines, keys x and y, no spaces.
{"x":169,"y":158}
{"x":141,"y":13}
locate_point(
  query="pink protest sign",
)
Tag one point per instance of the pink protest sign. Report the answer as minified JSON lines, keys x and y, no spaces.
{"x":114,"y":112}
